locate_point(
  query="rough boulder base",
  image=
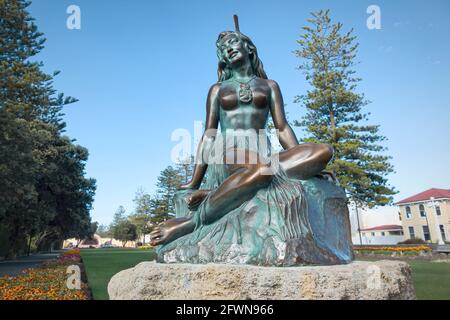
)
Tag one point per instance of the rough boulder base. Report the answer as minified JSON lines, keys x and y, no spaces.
{"x":381,"y":280}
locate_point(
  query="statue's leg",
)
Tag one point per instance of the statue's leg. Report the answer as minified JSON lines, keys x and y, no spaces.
{"x":306,"y":160}
{"x":243,"y":182}
{"x":170,"y":230}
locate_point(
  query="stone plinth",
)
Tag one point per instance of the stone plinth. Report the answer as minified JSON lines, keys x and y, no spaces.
{"x":358,"y":280}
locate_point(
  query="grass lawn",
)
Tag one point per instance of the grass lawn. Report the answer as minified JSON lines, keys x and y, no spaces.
{"x":102,"y":264}
{"x":431,"y":280}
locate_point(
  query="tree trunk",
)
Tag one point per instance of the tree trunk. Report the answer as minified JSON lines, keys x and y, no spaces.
{"x":13,"y":244}
{"x":29,"y":245}
{"x":333,"y":126}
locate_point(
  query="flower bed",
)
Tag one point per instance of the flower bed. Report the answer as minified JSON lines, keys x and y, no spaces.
{"x":46,"y":282}
{"x":146,"y":247}
{"x":411,"y":250}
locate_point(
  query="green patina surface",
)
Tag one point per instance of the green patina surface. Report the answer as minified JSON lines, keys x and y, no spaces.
{"x":291,"y":222}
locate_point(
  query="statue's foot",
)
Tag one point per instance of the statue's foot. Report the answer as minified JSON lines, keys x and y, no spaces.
{"x":196,"y":198}
{"x":170,"y":230}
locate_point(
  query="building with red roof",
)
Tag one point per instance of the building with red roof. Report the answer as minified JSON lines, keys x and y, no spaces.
{"x":426,"y":215}
{"x":380,"y":235}
{"x":386,"y":227}
{"x":427,"y":195}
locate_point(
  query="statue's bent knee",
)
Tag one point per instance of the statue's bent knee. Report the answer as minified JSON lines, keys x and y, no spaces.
{"x":325,"y":152}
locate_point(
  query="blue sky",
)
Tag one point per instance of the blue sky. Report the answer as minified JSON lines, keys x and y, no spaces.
{"x":141,"y":69}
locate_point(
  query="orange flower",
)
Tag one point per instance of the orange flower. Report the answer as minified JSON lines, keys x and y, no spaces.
{"x":395,"y":249}
{"x":47,"y":282}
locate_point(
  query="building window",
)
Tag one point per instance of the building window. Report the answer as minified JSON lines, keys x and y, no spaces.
{"x":426,"y":233}
{"x":422,"y":211}
{"x":383,"y":234}
{"x":373,"y":234}
{"x":412,"y":235}
{"x":441,"y":227}
{"x":438,"y":210}
{"x":408,"y":212}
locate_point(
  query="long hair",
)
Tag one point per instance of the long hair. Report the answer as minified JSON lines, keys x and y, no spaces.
{"x":224,"y":72}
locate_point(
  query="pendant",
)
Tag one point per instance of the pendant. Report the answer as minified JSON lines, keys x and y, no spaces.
{"x":245,"y":93}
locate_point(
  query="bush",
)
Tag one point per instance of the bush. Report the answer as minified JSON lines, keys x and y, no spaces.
{"x":413,"y":241}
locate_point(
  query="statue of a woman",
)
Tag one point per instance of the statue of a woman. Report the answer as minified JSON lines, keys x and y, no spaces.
{"x":242,"y":100}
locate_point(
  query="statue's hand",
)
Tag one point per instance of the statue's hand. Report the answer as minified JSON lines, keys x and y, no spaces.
{"x":187,"y":186}
{"x":196,"y":198}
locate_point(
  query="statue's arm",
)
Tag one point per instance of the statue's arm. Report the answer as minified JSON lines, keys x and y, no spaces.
{"x":286,"y":134}
{"x":207,"y":140}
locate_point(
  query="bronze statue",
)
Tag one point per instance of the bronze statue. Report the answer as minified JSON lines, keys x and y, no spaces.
{"x":242,"y":100}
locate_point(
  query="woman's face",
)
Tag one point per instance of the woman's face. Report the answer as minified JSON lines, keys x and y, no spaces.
{"x":233,"y":49}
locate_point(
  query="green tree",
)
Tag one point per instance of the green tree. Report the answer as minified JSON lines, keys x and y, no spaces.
{"x":168,"y":182}
{"x":142,"y":213}
{"x":334,"y":112}
{"x":44,"y":194}
{"x":142,"y":202}
{"x":104,"y":231}
{"x":159,"y":210}
{"x":185,"y":168}
{"x":65,"y":195}
{"x":93,"y":229}
{"x":125,"y":231}
{"x":119,"y":216}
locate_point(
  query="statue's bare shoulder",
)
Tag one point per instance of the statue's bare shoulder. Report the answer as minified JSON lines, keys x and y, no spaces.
{"x":214,"y":89}
{"x":273,"y":85}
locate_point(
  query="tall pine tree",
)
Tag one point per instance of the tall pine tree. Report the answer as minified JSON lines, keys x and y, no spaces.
{"x":334,"y":112}
{"x":185,"y":168}
{"x":44,"y":194}
{"x":168,"y":182}
{"x":142,"y":216}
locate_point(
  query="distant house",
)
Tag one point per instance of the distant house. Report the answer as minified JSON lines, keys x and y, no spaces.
{"x":380,"y":235}
{"x":96,"y":242}
{"x":426,"y":215}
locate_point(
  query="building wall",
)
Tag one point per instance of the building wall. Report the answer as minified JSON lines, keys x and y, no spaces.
{"x":368,"y":239}
{"x":418,"y":222}
{"x":378,"y":237}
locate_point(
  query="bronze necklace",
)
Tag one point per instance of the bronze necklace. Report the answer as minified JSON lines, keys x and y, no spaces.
{"x":245,"y":92}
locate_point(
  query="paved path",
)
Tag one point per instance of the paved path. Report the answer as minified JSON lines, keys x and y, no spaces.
{"x":15,"y":267}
